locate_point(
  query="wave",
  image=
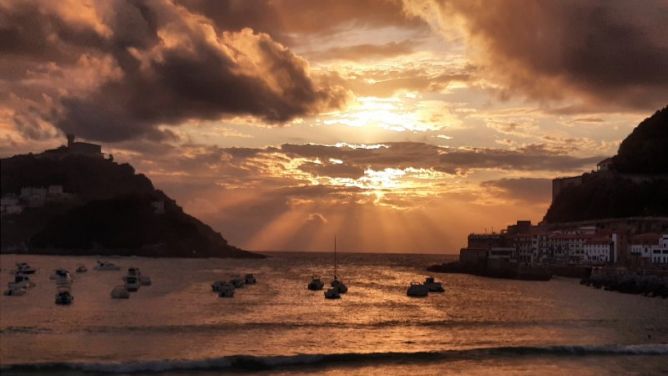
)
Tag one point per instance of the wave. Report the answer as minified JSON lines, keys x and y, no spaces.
{"x":256,"y":363}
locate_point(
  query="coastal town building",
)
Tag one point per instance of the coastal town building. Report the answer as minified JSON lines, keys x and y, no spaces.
{"x":650,"y":248}
{"x":74,"y":147}
{"x":82,"y":148}
{"x":598,"y":250}
{"x":526,"y":244}
{"x":32,"y":197}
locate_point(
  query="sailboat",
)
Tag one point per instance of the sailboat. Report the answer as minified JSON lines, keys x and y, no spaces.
{"x":337,"y":283}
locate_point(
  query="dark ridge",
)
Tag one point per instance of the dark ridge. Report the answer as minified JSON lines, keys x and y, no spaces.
{"x":109,"y":210}
{"x":635,"y":185}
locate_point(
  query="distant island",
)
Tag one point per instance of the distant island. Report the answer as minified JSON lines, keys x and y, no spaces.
{"x":610,"y":224}
{"x":75,"y":200}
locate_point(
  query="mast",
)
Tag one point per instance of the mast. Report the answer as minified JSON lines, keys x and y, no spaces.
{"x":335,"y":257}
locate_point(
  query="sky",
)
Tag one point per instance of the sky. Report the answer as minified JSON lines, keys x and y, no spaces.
{"x":398,"y":126}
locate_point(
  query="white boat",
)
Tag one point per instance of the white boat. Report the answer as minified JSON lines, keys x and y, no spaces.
{"x":21,"y":281}
{"x":316,"y":283}
{"x":132,"y":283}
{"x":237,"y":282}
{"x":226,"y":290}
{"x":249,"y":279}
{"x":432,"y":285}
{"x":62,"y":277}
{"x":81,"y":268}
{"x":332,"y":293}
{"x":16,"y":291}
{"x":24,"y":268}
{"x":336,"y":283}
{"x":63,"y":297}
{"x":417,"y":290}
{"x":120,"y":292}
{"x":145,"y":280}
{"x":103,"y":265}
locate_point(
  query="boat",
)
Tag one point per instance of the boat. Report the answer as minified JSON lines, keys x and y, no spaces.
{"x":249,"y":279}
{"x":15,"y":291}
{"x":316,"y":283}
{"x":21,"y":281}
{"x":62,"y":277}
{"x":145,"y":280}
{"x":226,"y":290}
{"x":332,"y":293}
{"x":120,"y":292}
{"x":237,"y":282}
{"x":104,"y":266}
{"x":24,"y":268}
{"x":132,"y":283}
{"x":432,"y":285}
{"x":63,"y":297}
{"x":417,"y":290}
{"x":336,"y":282}
{"x":216,"y":286}
{"x":81,"y":268}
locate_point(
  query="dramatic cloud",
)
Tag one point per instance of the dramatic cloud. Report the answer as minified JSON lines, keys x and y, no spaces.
{"x":284,"y":18}
{"x":606,"y":52}
{"x":172,"y":66}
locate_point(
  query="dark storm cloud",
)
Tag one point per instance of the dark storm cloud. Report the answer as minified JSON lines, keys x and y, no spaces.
{"x":610,"y":52}
{"x":282,"y":19}
{"x":531,"y":190}
{"x":171,"y":66}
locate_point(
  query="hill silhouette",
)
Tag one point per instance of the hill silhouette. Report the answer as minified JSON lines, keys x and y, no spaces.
{"x":645,"y":150}
{"x":635,"y":185}
{"x":109,"y":210}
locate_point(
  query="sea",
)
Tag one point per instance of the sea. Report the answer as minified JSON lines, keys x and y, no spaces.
{"x":178,"y":326}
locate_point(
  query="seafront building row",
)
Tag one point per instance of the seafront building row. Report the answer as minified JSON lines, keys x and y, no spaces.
{"x":586,"y":245}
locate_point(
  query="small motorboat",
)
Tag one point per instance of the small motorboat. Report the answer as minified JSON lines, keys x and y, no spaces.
{"x":249,"y":279}
{"x":21,"y":281}
{"x":226,"y":290}
{"x":316,"y":283}
{"x":63,"y":297}
{"x":339,"y":285}
{"x":417,"y":290}
{"x":15,"y":291}
{"x":237,"y":282}
{"x":24,"y":268}
{"x":132,"y":283}
{"x":62,"y":277}
{"x":145,"y":280}
{"x":216,"y":286}
{"x":103,"y":266}
{"x":332,"y":293}
{"x":120,"y":292}
{"x":432,"y":285}
{"x":81,"y":268}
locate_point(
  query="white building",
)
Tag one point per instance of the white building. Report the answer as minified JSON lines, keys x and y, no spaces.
{"x":599,"y":250}
{"x":9,"y":204}
{"x":55,"y":190}
{"x":652,"y":248}
{"x":34,"y":197}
